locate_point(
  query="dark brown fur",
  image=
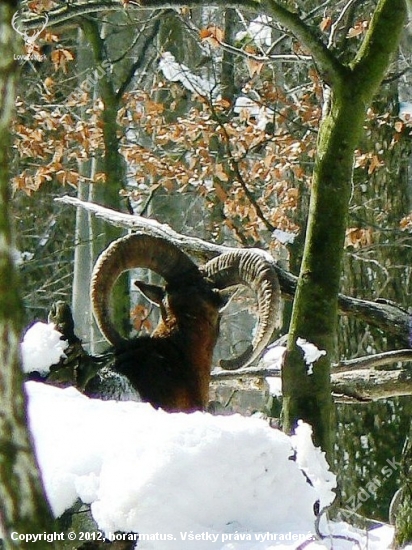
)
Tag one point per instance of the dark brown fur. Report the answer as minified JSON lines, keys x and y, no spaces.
{"x":171,"y":368}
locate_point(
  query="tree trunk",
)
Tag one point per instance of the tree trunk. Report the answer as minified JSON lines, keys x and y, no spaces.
{"x":113,"y":167}
{"x":82,"y":268}
{"x":228,"y":59}
{"x":403,"y":503}
{"x":315,"y":310}
{"x":314,"y":316}
{"x":23,"y":505}
{"x":83,"y":252}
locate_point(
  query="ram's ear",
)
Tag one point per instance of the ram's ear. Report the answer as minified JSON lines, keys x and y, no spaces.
{"x":226,"y":296}
{"x":153,"y":293}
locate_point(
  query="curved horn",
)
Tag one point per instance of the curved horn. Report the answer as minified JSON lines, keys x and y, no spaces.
{"x":133,"y":251}
{"x":249,"y":268}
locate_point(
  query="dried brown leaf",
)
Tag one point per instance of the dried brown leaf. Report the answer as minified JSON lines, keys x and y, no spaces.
{"x":212,"y":35}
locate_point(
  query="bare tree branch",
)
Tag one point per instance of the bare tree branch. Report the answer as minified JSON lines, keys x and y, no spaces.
{"x":373,"y":361}
{"x":70,"y":10}
{"x":335,"y":25}
{"x":328,"y":65}
{"x":344,"y":367}
{"x":202,"y":250}
{"x":356,"y":379}
{"x":372,"y":384}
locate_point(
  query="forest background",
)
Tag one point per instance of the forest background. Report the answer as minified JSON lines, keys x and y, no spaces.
{"x":208,"y":119}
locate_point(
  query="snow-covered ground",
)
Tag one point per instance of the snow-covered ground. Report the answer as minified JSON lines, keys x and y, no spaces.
{"x":183,"y":481}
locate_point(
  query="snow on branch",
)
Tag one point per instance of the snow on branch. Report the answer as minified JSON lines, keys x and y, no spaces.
{"x":200,"y":249}
{"x":177,"y":72}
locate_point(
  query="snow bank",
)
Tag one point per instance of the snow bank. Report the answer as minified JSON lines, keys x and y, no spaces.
{"x":147,"y":471}
{"x":182,"y":481}
{"x":203,"y":482}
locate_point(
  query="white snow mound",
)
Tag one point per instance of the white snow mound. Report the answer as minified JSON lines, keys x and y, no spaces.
{"x":41,"y":348}
{"x":148,"y":471}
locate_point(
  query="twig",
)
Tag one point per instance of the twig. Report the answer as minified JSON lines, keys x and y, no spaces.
{"x":335,"y":25}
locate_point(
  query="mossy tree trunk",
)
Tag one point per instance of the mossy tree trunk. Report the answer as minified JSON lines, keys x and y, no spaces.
{"x":314,"y":317}
{"x":403,"y":513}
{"x":23,"y":507}
{"x":228,"y":60}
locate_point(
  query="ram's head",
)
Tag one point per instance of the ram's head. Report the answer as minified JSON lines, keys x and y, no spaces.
{"x":190,"y":303}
